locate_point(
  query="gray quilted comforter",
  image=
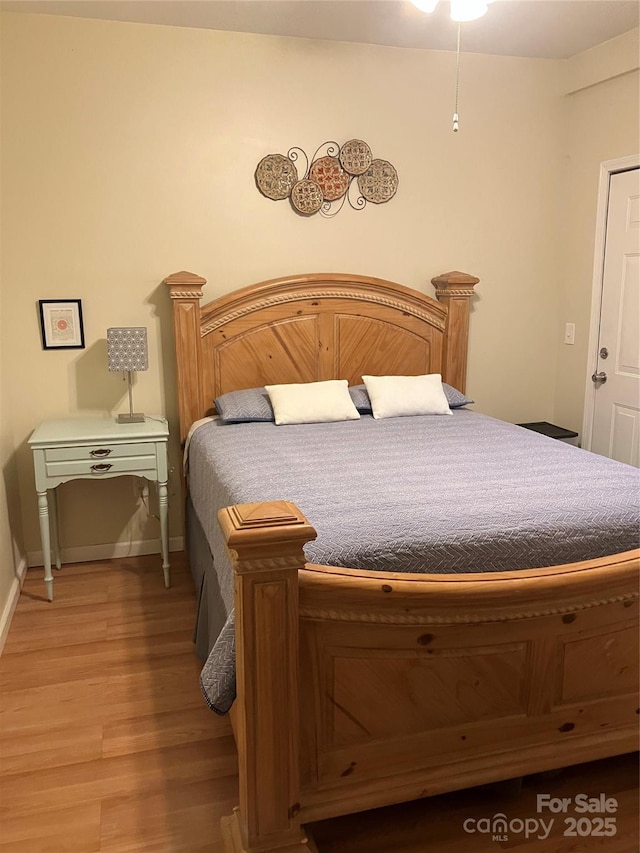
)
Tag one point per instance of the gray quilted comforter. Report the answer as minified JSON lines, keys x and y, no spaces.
{"x":461,"y":493}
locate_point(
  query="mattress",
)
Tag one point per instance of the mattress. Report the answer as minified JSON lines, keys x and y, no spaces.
{"x":458,"y":493}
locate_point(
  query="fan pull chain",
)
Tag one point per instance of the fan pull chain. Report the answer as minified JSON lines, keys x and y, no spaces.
{"x":456,"y":123}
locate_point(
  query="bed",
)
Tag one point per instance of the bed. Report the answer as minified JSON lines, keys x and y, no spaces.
{"x":359,"y":688}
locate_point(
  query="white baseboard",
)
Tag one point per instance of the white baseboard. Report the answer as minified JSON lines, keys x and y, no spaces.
{"x":12,"y":600}
{"x":108,"y":551}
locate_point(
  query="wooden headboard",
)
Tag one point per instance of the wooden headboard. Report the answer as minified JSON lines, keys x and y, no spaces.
{"x":312,"y":327}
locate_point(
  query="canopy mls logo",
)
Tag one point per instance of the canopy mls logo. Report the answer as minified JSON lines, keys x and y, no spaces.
{"x":597,"y":820}
{"x":499,"y":827}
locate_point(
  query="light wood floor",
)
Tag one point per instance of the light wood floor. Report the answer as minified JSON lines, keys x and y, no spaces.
{"x":107,"y":745}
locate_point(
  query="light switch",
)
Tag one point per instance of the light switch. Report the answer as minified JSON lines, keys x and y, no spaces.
{"x":570,"y":333}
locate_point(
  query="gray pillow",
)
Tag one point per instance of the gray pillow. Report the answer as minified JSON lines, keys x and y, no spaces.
{"x":360,"y":399}
{"x":252,"y":404}
{"x":455,"y":398}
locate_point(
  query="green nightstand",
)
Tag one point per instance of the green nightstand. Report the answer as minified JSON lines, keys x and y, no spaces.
{"x":93,"y":449}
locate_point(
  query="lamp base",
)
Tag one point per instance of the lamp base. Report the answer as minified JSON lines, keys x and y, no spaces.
{"x":133,"y":418}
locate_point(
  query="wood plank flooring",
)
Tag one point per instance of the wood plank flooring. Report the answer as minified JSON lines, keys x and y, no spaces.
{"x":105,"y":741}
{"x":107,"y":745}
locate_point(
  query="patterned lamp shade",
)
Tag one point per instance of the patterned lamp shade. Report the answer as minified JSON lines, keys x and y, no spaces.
{"x":127,"y":348}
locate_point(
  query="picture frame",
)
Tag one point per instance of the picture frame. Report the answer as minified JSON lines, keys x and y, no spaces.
{"x":61,"y":323}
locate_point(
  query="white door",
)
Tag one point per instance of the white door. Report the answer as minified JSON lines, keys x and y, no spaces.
{"x":616,"y":421}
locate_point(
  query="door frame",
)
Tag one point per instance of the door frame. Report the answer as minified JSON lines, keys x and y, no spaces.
{"x":607,"y":168}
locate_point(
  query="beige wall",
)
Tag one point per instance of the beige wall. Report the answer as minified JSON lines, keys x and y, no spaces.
{"x":129,"y":153}
{"x":12,"y":555}
{"x":11,"y":544}
{"x":12,"y":558}
{"x":7,"y":492}
{"x":601,"y":121}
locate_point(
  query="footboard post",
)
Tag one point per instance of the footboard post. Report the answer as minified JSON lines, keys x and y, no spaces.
{"x":455,"y":289}
{"x":265,"y":542}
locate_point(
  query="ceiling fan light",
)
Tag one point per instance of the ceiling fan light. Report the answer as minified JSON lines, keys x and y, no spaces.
{"x":425,"y":5}
{"x":467,"y":10}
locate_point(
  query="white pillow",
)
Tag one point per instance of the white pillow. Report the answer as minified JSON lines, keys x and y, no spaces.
{"x":312,"y":402}
{"x":397,"y":396}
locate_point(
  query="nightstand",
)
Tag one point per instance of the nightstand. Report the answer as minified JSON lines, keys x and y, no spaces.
{"x":551,"y":430}
{"x":94,"y":449}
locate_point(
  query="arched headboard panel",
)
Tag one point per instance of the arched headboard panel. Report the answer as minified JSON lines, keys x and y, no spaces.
{"x":313,"y":327}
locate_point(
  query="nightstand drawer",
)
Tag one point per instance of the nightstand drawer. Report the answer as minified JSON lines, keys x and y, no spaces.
{"x":98,"y":452}
{"x":137,"y":465}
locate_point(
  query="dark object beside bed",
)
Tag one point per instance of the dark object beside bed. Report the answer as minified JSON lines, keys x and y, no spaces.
{"x":551,"y":430}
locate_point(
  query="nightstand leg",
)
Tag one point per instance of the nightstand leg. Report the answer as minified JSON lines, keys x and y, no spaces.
{"x":43,"y":512}
{"x":55,"y":535}
{"x":163,"y":505}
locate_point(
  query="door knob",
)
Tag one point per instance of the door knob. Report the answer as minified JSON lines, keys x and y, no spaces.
{"x":599,"y":378}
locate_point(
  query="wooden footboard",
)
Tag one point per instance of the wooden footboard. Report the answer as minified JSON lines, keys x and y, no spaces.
{"x":357,"y":690}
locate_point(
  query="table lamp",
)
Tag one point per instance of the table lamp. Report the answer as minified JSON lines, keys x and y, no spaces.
{"x":127,"y":351}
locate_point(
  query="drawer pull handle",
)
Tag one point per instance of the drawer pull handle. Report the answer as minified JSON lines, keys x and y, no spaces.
{"x":101,"y":453}
{"x":101,"y":468}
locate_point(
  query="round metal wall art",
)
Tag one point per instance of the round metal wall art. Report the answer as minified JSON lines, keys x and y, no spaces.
{"x":355,"y":156}
{"x":275,"y":176}
{"x":306,"y":197}
{"x":379,"y":183}
{"x":328,"y":179}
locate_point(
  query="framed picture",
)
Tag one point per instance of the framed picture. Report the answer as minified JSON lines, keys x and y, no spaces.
{"x":61,"y":323}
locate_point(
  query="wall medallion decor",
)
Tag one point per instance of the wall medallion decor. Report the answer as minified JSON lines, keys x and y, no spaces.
{"x":276,"y":176}
{"x":329,"y":178}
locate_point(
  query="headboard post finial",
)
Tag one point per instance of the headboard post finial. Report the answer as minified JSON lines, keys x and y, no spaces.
{"x":185,"y":285}
{"x":454,"y":290}
{"x":186,"y":292}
